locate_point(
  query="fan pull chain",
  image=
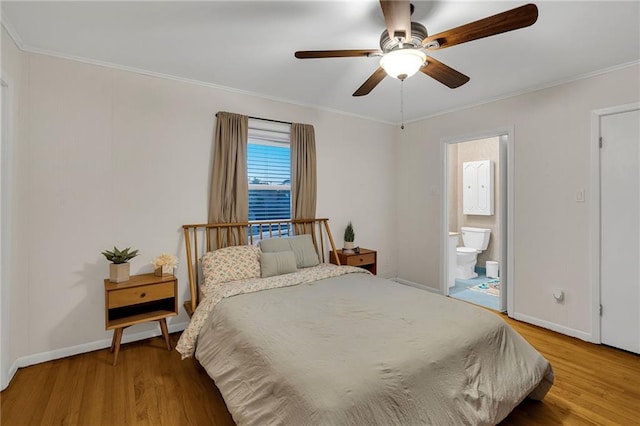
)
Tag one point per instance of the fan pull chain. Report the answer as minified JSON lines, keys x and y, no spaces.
{"x":402,"y":104}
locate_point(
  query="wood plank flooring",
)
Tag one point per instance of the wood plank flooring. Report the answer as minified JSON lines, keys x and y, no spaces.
{"x":595,"y":385}
{"x":149,"y":386}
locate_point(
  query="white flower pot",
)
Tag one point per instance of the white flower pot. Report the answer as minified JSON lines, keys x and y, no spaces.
{"x":119,"y":272}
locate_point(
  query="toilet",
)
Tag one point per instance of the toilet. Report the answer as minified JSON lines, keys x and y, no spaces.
{"x":475,"y":240}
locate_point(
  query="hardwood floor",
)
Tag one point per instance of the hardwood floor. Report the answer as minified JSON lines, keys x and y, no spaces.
{"x":149,"y":386}
{"x":595,"y":385}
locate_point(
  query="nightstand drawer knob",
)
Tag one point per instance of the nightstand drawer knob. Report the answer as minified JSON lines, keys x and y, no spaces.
{"x":142,"y":295}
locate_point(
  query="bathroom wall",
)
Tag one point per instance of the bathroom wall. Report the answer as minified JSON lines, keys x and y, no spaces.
{"x":481,"y":149}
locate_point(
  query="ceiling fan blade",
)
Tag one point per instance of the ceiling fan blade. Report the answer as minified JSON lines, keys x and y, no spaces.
{"x":510,"y":20}
{"x":397,"y":16}
{"x":371,"y":82}
{"x":311,"y":54}
{"x":444,"y":73}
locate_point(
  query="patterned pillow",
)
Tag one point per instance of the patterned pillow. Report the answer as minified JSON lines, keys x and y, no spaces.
{"x":230,"y":264}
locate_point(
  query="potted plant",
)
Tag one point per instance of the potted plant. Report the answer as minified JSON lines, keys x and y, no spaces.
{"x":164,"y":265}
{"x":349,"y":236}
{"x":119,"y":267}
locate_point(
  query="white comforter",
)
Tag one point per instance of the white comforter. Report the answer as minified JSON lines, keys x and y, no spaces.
{"x":361,"y":350}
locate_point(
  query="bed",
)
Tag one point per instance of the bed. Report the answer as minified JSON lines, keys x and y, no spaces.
{"x":329,"y":344}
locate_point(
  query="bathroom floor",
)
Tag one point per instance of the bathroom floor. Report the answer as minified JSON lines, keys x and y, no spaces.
{"x":480,"y":290}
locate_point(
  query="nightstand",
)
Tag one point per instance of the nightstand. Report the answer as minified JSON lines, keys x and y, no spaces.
{"x":143,"y":298}
{"x":366,"y":259}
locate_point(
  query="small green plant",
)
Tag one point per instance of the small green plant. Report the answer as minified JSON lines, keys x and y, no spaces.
{"x":120,"y":256}
{"x":349,"y":235}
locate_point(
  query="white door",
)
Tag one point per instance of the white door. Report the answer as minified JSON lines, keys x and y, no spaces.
{"x":484,"y":184}
{"x":620,"y":230}
{"x":4,"y":237}
{"x":469,"y":187}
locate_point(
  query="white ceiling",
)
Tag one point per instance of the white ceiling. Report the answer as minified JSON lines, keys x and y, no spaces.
{"x":249,"y":46}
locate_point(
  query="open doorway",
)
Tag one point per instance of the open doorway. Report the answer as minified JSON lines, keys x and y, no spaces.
{"x":476,"y":219}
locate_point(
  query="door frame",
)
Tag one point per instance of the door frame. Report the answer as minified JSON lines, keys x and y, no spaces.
{"x":506,"y":176}
{"x":6,"y":173}
{"x":594,"y":210}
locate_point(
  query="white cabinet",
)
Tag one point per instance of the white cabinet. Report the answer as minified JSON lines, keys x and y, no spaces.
{"x":477,"y":187}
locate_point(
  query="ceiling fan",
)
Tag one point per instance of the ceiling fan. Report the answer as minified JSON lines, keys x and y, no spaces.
{"x":403,"y":45}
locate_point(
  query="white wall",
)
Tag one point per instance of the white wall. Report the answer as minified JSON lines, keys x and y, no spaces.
{"x":113,"y":157}
{"x":552,"y":140}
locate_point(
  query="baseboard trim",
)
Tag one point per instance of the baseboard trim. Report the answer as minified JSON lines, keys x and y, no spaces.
{"x":416,"y":285}
{"x":12,"y":372}
{"x":587,"y":337}
{"x":28,"y":360}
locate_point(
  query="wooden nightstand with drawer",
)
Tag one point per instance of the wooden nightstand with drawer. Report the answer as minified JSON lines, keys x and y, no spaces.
{"x":143,"y":298}
{"x":366,"y":259}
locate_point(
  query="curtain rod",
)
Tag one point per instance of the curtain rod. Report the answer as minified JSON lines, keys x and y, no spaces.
{"x":266,"y":119}
{"x":271,"y":120}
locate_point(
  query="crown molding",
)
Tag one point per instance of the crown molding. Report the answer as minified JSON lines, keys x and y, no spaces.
{"x":29,"y":49}
{"x":4,"y":21}
{"x":529,"y":90}
{"x":45,"y":52}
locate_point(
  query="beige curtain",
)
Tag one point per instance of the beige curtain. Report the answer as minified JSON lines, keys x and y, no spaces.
{"x":229,"y":198}
{"x":303,"y":172}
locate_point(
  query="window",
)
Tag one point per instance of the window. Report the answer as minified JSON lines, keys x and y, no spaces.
{"x":269,"y":171}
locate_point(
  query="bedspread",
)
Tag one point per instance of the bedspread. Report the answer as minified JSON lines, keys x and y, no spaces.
{"x":358,"y":349}
{"x":188,"y":339}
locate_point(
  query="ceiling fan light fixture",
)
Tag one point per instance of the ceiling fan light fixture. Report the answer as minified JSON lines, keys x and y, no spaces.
{"x":403,"y":63}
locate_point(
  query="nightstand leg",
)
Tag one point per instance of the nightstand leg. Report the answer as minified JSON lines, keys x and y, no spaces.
{"x":165,"y":332}
{"x":113,"y":341}
{"x":117,"y":336}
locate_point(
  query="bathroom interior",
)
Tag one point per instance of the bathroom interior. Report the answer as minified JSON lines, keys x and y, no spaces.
{"x":474,"y":222}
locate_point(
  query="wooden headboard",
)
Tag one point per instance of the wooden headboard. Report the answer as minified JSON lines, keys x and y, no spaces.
{"x":202,"y":238}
